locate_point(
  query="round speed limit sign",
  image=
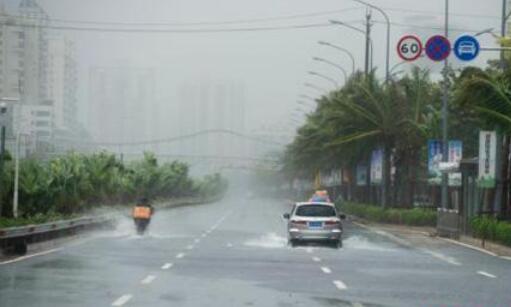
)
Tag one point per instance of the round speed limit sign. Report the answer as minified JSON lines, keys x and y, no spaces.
{"x":409,"y":48}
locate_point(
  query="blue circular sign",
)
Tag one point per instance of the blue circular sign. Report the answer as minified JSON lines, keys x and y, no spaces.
{"x":438,"y":48}
{"x":466,"y":48}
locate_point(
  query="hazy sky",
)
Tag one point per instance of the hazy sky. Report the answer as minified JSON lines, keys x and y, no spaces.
{"x":271,"y":64}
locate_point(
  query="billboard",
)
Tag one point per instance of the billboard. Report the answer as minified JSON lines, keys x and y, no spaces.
{"x":376,"y":166}
{"x":434,"y":159}
{"x":361,"y":175}
{"x":487,"y":158}
{"x":435,"y":156}
{"x":455,"y":155}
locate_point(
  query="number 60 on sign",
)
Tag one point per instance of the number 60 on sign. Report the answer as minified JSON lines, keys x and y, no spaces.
{"x":409,"y":48}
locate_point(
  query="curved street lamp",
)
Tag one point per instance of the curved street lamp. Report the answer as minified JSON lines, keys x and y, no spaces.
{"x":343,"y":50}
{"x":307,"y":97}
{"x":317,"y":88}
{"x":337,"y":22}
{"x":317,"y":74}
{"x":387,"y":19}
{"x":334,"y":65}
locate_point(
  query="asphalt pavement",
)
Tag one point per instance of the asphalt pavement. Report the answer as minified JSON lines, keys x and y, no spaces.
{"x":235,"y":253}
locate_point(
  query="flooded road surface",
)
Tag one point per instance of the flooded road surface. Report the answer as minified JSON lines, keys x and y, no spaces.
{"x":235,"y":253}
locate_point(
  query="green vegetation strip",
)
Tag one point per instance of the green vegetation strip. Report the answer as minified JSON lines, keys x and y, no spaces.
{"x":411,"y":217}
{"x":489,"y":228}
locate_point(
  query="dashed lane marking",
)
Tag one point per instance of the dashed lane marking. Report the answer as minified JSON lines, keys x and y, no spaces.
{"x":189,"y":247}
{"x":326,"y":270}
{"x":229,"y":244}
{"x":309,"y":250}
{"x":180,"y":255}
{"x":316,"y":259}
{"x":442,"y":257}
{"x":166,"y":266}
{"x":196,"y":240}
{"x":30,"y":256}
{"x":486,"y":274}
{"x":340,"y":285}
{"x":122,"y":300}
{"x":149,"y":279}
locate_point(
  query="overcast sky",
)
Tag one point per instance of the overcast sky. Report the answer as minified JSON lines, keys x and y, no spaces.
{"x":271,"y":64}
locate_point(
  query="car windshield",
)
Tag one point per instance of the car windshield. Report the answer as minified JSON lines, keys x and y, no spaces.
{"x":315,"y":211}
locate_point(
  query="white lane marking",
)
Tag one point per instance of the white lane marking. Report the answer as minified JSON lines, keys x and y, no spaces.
{"x":180,"y":255}
{"x":309,"y":250}
{"x":203,"y":235}
{"x":229,"y":244}
{"x":189,"y":247}
{"x":505,"y":257}
{"x":326,"y":270}
{"x":356,"y":304}
{"x":482,"y":250}
{"x":316,"y":259}
{"x":149,"y":279}
{"x":486,"y":274}
{"x":30,"y":256}
{"x":196,"y":240}
{"x":167,"y":266}
{"x":442,"y":257}
{"x":340,"y":285}
{"x":122,"y":300}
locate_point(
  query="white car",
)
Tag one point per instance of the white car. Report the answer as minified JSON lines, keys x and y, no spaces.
{"x":467,"y":48}
{"x":314,"y":221}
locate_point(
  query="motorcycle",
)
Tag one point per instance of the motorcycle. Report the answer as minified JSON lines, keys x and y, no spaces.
{"x":141,"y":225}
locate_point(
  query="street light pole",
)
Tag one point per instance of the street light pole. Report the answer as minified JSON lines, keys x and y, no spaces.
{"x":3,"y":110}
{"x":334,"y":65}
{"x":387,"y":19}
{"x":317,"y":88}
{"x":503,"y":31}
{"x":445,"y":101}
{"x":313,"y":73}
{"x":343,"y":50}
{"x":369,"y":42}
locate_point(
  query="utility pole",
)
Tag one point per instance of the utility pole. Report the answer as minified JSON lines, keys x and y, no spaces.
{"x":3,"y":110}
{"x":503,"y":32}
{"x":445,"y":102}
{"x":368,"y":40}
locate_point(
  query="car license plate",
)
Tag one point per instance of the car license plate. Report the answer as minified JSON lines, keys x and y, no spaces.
{"x":315,"y":224}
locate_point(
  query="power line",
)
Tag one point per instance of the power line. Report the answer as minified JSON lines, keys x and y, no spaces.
{"x":186,"y":136}
{"x":194,"y":23}
{"x":397,"y":24}
{"x":196,"y":30}
{"x":433,"y":13}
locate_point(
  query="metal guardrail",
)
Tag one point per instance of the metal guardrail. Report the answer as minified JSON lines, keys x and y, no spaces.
{"x":28,"y":230}
{"x":14,"y":240}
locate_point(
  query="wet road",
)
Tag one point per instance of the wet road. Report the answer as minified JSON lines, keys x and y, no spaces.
{"x":234,"y":253}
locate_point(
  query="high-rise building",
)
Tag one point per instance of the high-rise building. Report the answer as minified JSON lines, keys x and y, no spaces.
{"x":121,"y":105}
{"x":212,"y":106}
{"x":23,"y":70}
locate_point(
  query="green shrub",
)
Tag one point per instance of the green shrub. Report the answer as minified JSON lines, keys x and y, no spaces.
{"x":412,"y":217}
{"x":489,"y":228}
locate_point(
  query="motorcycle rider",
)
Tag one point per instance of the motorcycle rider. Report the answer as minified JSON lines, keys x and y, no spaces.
{"x":142,"y":213}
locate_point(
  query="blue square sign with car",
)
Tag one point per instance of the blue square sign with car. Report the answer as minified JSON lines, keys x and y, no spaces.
{"x":466,"y":48}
